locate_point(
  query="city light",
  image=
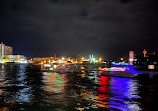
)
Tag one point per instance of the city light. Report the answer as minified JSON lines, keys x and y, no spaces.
{"x":22,"y":61}
{"x":51,"y":68}
{"x":2,"y":62}
{"x":119,"y":64}
{"x":55,"y":66}
{"x":131,"y":57}
{"x":47,"y":65}
{"x":100,"y":59}
{"x":93,"y":59}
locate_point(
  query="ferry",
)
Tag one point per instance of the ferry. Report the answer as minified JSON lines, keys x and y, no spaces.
{"x":61,"y":68}
{"x":120,"y":70}
{"x":53,"y":67}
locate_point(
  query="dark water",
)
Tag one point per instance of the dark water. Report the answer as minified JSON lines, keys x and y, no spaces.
{"x":25,"y":89}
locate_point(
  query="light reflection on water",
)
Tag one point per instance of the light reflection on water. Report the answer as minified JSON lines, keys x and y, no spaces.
{"x":24,"y":88}
{"x":124,"y":92}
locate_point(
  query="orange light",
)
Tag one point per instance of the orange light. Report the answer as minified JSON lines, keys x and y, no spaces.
{"x":100,"y":59}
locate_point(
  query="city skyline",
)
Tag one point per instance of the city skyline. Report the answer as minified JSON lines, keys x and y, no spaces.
{"x":7,"y":51}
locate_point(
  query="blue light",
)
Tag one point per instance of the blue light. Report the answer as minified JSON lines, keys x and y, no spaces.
{"x":124,"y":93}
{"x":132,"y":70}
{"x":128,"y":66}
{"x":117,"y":64}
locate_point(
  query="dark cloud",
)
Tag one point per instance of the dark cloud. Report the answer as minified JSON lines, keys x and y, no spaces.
{"x":54,"y":1}
{"x":125,"y":1}
{"x":79,"y":27}
{"x":16,"y":6}
{"x":83,"y":13}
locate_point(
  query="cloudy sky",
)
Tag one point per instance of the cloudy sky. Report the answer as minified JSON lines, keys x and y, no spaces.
{"x":108,"y":28}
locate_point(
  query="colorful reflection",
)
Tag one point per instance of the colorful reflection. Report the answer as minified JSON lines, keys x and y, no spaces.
{"x":103,"y":92}
{"x":54,"y":82}
{"x":124,"y":92}
{"x":69,"y":92}
{"x":14,"y":89}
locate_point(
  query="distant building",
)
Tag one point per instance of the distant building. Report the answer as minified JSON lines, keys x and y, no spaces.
{"x":12,"y":58}
{"x":40,"y":59}
{"x":151,"y":59}
{"x":46,"y":59}
{"x":131,"y":57}
{"x":6,"y":55}
{"x":5,"y":50}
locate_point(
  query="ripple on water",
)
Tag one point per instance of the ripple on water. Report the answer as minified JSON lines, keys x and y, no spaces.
{"x":27,"y":88}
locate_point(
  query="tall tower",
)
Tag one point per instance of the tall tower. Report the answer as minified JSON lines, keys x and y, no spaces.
{"x":90,"y":57}
{"x":145,"y":52}
{"x":5,"y":50}
{"x":131,"y":57}
{"x":55,"y":56}
{"x":2,"y":48}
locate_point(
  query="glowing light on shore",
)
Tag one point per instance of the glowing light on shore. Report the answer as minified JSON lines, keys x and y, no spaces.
{"x":22,"y":61}
{"x":47,"y":65}
{"x":55,"y":66}
{"x":100,"y":59}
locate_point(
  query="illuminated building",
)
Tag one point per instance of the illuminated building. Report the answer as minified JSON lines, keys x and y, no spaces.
{"x":13,"y":58}
{"x":44,"y":60}
{"x":6,"y":55}
{"x":131,"y":57}
{"x":144,"y":61}
{"x":92,"y":59}
{"x":5,"y":50}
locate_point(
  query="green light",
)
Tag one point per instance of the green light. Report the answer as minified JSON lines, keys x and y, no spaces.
{"x":93,"y":59}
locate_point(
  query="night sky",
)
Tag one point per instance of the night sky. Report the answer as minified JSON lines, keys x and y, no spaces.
{"x":107,"y":28}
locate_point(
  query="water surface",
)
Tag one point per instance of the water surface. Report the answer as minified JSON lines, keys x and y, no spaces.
{"x":24,"y":88}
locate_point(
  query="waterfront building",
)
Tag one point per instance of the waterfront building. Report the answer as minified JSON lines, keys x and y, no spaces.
{"x":12,"y":58}
{"x":150,"y":60}
{"x":5,"y":50}
{"x":6,"y":55}
{"x":43,"y":60}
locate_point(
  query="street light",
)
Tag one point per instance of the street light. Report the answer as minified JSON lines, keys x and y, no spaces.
{"x":100,"y":59}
